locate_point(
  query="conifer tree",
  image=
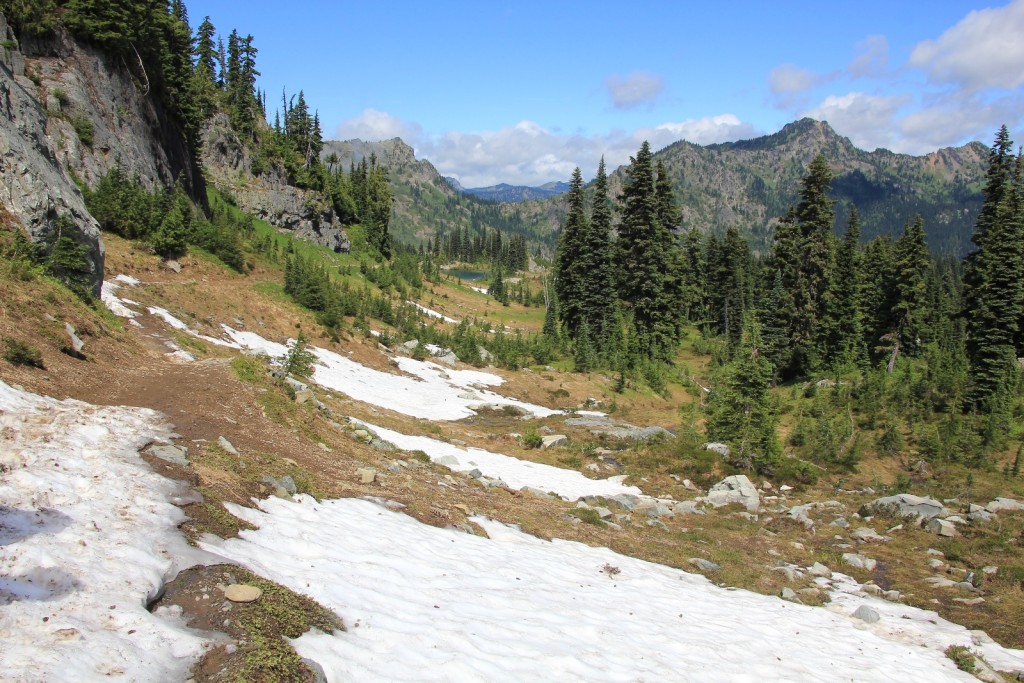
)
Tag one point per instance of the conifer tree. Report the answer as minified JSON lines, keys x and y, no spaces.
{"x":803,"y":253}
{"x":597,"y":247}
{"x":741,"y":411}
{"x":571,"y":261}
{"x":845,"y":344}
{"x":911,"y":280}
{"x":645,"y":261}
{"x":993,"y":300}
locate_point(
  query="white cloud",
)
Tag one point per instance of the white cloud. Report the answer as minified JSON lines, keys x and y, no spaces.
{"x":868,"y":120}
{"x":984,"y":50}
{"x":789,"y":84}
{"x":633,"y":90}
{"x":372,"y":125}
{"x":529,"y":154}
{"x":872,"y":58}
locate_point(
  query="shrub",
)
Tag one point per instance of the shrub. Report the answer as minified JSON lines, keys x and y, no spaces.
{"x":962,"y":657}
{"x":531,"y":439}
{"x":19,"y":353}
{"x":299,"y":360}
{"x":83,"y":128}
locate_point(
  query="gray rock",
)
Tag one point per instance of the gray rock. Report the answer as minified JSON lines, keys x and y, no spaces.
{"x":475,"y":474}
{"x":789,"y":594}
{"x":867,"y":614}
{"x":734,"y":489}
{"x":941,"y":527}
{"x":892,"y":596}
{"x":305,"y":396}
{"x":1005,"y":505}
{"x":319,"y":675}
{"x":981,"y":516}
{"x":227,"y":445}
{"x":76,"y":343}
{"x":543,"y":494}
{"x":818,"y":569}
{"x":554,"y":440}
{"x":657,"y":523}
{"x":447,"y":461}
{"x":704,"y":565}
{"x":288,"y":484}
{"x":382,"y":445}
{"x":603,"y":513}
{"x":866,"y":535}
{"x":449,"y":359}
{"x":367,"y":475}
{"x":687,"y":507}
{"x":172,"y":265}
{"x":268,"y":196}
{"x":624,"y":501}
{"x":858,"y":561}
{"x":907,"y":505}
{"x":36,"y":186}
{"x":168,"y":453}
{"x":721,"y":448}
{"x":295,"y":384}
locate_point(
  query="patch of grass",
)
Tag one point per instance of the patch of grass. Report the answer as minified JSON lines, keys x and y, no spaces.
{"x":279,"y":613}
{"x":573,"y":462}
{"x":187,"y":341}
{"x":962,"y":657}
{"x":588,"y":516}
{"x":251,"y":369}
{"x":20,"y":353}
{"x":420,"y":455}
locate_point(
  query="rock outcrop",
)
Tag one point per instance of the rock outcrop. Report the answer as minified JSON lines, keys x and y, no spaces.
{"x":268,"y":196}
{"x":35,"y":186}
{"x":100,"y":114}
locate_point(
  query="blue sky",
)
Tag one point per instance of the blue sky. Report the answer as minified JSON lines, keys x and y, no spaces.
{"x":524,"y":92}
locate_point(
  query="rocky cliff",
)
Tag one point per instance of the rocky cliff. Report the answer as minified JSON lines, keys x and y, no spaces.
{"x":36,"y":186}
{"x":100,"y":113}
{"x":268,"y":196}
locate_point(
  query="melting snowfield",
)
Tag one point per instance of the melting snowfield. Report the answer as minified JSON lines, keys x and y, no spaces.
{"x":433,"y":392}
{"x":87,"y":538}
{"x":516,"y":473}
{"x":428,"y":604}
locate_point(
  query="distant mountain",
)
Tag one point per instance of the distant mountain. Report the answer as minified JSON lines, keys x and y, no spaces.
{"x":752,"y":183}
{"x":504,"y":192}
{"x":748,"y":184}
{"x":427,"y":203}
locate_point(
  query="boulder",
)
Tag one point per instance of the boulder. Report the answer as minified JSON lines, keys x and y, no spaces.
{"x":366,"y":475}
{"x":906,"y":505}
{"x":867,"y":535}
{"x":941,"y":527}
{"x":867,"y":614}
{"x":735,"y":489}
{"x":76,"y":342}
{"x":721,"y":448}
{"x":227,"y":445}
{"x":240,"y":592}
{"x":858,"y":561}
{"x":1005,"y":505}
{"x":704,"y":565}
{"x":168,"y":453}
{"x":553,"y":440}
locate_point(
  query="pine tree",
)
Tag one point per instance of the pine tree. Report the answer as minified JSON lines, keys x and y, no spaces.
{"x":646,"y":261}
{"x":845,"y":343}
{"x":597,"y":246}
{"x":741,"y":411}
{"x":803,"y":253}
{"x":911,"y":279}
{"x":993,"y":300}
{"x":571,"y":260}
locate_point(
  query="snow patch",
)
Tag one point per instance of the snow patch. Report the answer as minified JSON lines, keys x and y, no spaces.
{"x":433,"y":314}
{"x":516,"y":473}
{"x":87,"y":539}
{"x":430,"y":604}
{"x":434,"y":393}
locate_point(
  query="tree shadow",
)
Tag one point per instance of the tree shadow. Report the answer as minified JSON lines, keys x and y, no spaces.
{"x":17,"y":524}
